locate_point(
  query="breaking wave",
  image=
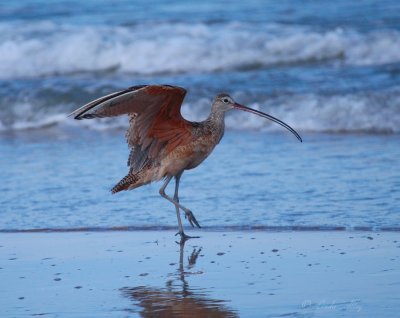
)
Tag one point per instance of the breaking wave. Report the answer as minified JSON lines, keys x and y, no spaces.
{"x":46,"y":48}
{"x":372,"y":112}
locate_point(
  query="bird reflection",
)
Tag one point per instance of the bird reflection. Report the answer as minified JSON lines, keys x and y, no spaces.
{"x":178,"y":299}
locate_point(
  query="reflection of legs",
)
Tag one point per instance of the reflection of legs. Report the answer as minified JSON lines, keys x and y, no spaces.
{"x":193,"y":257}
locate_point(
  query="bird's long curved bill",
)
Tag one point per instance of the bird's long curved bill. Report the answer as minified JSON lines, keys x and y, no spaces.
{"x":276,"y":120}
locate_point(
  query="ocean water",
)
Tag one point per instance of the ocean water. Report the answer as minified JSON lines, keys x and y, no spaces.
{"x":329,"y":69}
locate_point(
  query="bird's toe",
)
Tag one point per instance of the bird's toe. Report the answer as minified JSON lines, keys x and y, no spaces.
{"x":192,"y":219}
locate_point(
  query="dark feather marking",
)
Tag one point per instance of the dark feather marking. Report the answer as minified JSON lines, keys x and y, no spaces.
{"x":125,"y":182}
{"x":82,"y":115}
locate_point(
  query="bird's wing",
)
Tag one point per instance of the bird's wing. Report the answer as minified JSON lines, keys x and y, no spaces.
{"x":136,"y":99}
{"x":155,"y":119}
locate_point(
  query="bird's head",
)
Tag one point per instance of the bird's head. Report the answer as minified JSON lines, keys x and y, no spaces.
{"x":223,"y":102}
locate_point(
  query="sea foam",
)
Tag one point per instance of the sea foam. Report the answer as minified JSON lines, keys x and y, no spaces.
{"x":45,"y":48}
{"x":377,"y":112}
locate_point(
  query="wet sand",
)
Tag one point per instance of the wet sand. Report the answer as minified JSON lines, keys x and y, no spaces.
{"x":221,"y":274}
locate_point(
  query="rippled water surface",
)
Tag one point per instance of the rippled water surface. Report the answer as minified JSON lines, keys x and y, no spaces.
{"x":251,"y":179}
{"x":330,"y":70}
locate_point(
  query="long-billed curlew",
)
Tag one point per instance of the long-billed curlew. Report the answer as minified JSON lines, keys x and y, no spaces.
{"x":163,"y":144}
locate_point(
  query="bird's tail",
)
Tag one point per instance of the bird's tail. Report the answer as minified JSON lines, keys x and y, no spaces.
{"x":130,"y":181}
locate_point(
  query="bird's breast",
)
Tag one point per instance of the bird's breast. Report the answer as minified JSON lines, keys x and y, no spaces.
{"x":188,"y":156}
{"x":200,"y":151}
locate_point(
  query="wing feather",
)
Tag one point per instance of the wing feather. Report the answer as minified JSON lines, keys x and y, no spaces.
{"x":156,"y":123}
{"x":80,"y":112}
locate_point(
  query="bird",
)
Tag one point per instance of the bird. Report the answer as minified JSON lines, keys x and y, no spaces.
{"x":162,"y":143}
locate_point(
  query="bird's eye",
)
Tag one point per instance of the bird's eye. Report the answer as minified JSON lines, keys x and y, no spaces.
{"x":225,"y":100}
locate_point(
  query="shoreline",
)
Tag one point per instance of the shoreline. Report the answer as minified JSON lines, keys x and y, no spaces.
{"x":230,"y":228}
{"x":221,"y":274}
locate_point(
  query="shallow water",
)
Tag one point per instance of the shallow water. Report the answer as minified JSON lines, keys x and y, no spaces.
{"x":245,"y":274}
{"x":333,"y":76}
{"x":252,"y":179}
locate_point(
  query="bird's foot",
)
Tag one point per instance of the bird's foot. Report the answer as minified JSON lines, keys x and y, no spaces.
{"x":192,"y":220}
{"x":185,"y":237}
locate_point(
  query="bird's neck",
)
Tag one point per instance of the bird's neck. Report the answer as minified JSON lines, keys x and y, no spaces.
{"x":217,"y":118}
{"x":216,"y":122}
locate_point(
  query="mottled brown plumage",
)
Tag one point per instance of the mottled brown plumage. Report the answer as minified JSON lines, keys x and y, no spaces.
{"x":163,"y":144}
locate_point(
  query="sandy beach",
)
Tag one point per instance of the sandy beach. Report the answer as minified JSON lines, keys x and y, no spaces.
{"x":221,"y":274}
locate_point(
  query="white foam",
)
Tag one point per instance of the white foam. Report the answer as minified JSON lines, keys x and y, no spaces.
{"x":364,"y":112}
{"x":45,"y":48}
{"x":373,"y":113}
{"x":26,"y":124}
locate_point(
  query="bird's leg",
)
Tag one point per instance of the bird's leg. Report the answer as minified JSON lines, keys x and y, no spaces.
{"x":177,"y":205}
{"x":164,"y":195}
{"x":188,"y":214}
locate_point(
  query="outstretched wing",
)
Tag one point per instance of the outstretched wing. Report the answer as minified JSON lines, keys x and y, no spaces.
{"x":156,"y":123}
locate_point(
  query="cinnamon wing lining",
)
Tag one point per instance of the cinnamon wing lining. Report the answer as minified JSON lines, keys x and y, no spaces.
{"x":146,"y":149}
{"x":152,"y":132}
{"x":155,"y":119}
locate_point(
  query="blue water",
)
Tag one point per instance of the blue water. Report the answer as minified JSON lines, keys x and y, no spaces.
{"x":330,"y":70}
{"x":252,"y":179}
